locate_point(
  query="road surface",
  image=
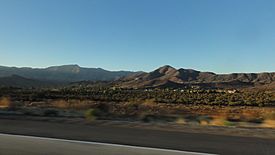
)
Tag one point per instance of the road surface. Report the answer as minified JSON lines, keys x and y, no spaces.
{"x":174,"y":140}
{"x":29,"y":145}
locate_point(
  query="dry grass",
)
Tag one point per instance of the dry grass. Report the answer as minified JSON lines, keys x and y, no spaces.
{"x":149,"y":103}
{"x":204,"y":122}
{"x":73,"y":104}
{"x":151,"y":110}
{"x":217,"y":121}
{"x":5,"y":102}
{"x":91,"y":114}
{"x":62,"y":104}
{"x":180,"y":120}
{"x":268,"y":123}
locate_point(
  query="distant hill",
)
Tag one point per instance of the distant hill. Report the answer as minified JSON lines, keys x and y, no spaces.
{"x":163,"y":77}
{"x":65,"y":73}
{"x":168,"y":76}
{"x":21,"y":82}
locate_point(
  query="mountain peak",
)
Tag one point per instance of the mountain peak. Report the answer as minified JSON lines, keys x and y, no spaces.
{"x":166,"y":66}
{"x":65,"y":68}
{"x":72,"y":65}
{"x":166,"y":69}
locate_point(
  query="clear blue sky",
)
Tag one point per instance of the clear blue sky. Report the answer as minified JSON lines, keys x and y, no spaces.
{"x":210,"y":35}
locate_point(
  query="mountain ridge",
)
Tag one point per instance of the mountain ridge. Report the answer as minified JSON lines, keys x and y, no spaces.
{"x":167,"y":76}
{"x":64,"y":73}
{"x":163,"y":77}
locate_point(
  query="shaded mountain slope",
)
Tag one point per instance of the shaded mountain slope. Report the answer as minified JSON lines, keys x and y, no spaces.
{"x":21,"y":82}
{"x":65,"y":73}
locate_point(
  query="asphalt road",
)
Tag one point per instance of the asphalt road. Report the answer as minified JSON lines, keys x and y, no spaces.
{"x":205,"y":143}
{"x":29,"y":145}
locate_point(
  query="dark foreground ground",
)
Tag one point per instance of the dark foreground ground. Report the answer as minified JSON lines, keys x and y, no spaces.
{"x":175,"y":140}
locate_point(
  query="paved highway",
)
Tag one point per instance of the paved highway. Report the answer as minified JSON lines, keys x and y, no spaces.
{"x":194,"y":142}
{"x":29,"y":145}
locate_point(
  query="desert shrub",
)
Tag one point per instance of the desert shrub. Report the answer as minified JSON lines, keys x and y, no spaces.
{"x":192,"y":118}
{"x":157,"y":118}
{"x":92,"y":114}
{"x":256,"y":120}
{"x":5,"y":102}
{"x":132,"y":107}
{"x":233,"y":119}
{"x":149,"y":103}
{"x":180,"y":120}
{"x":51,"y":112}
{"x":229,"y":123}
{"x":103,"y":108}
{"x":204,"y":120}
{"x":147,"y":117}
{"x":29,"y":112}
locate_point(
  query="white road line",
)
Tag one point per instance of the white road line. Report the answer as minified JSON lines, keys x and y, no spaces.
{"x":105,"y":144}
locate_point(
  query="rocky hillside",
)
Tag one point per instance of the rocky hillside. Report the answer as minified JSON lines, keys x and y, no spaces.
{"x":168,"y":76}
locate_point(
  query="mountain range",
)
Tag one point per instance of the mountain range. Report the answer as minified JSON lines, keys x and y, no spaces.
{"x":163,"y":77}
{"x":65,"y":73}
{"x":167,"y":76}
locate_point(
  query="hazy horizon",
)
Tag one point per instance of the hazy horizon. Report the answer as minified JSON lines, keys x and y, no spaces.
{"x":206,"y":35}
